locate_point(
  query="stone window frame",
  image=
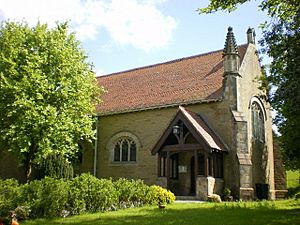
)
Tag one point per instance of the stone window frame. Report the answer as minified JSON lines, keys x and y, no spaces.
{"x":119,"y":137}
{"x":255,"y":101}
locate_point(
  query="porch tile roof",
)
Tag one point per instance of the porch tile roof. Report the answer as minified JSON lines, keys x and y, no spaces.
{"x":208,"y":135}
{"x":197,"y":126}
{"x":178,"y":82}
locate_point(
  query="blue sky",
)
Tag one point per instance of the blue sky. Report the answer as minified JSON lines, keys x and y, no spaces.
{"x":124,"y":34}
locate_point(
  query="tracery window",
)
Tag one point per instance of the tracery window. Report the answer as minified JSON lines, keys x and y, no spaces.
{"x":258,"y":123}
{"x":124,"y":150}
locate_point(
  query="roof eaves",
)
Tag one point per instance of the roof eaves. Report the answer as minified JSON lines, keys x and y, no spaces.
{"x":108,"y":113}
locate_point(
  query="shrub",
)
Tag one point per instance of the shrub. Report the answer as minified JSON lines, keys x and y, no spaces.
{"x":76,"y":201}
{"x":159,"y":195}
{"x":131,"y":192}
{"x":293,"y":191}
{"x":226,"y":191}
{"x":9,"y":195}
{"x":51,"y":197}
{"x":92,"y":194}
{"x":56,"y":166}
{"x":47,"y":197}
{"x":23,"y":212}
{"x":139,"y":192}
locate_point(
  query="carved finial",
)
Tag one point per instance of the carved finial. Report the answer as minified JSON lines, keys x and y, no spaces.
{"x":251,"y":35}
{"x":230,"y":43}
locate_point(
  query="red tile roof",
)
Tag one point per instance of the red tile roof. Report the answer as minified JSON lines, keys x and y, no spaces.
{"x":178,"y":82}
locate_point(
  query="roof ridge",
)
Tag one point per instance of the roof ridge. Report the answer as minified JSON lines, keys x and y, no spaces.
{"x":166,"y":62}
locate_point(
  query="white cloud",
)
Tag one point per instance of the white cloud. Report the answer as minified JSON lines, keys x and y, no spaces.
{"x":138,"y":23}
{"x":141,"y":25}
{"x":34,"y":10}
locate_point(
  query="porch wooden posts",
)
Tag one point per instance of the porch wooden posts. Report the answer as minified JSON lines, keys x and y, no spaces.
{"x":168,"y":168}
{"x":159,"y":172}
{"x":206,"y":165}
{"x":196,"y":166}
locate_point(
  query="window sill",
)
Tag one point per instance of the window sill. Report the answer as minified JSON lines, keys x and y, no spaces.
{"x":123,"y":163}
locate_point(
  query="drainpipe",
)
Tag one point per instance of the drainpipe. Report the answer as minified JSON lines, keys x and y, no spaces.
{"x":96,"y":147}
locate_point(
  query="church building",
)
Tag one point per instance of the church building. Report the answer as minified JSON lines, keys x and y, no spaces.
{"x":194,"y":125}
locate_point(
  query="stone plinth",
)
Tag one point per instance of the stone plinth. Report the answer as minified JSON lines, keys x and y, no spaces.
{"x":208,"y":185}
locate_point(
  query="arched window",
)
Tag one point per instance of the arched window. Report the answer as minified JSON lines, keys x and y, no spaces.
{"x":125,"y":150}
{"x":258,"y":122}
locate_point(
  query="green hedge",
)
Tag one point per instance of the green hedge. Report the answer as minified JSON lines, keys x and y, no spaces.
{"x":46,"y":197}
{"x":9,"y":195}
{"x":131,"y":192}
{"x":51,"y":197}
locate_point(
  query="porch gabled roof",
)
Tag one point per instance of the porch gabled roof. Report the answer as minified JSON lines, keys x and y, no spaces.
{"x":197,"y":126}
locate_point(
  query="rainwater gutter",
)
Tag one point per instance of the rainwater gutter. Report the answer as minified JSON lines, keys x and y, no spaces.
{"x":96,"y":147}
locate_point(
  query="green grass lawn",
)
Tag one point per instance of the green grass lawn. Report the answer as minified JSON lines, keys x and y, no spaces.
{"x":293,"y":178}
{"x":239,"y":213}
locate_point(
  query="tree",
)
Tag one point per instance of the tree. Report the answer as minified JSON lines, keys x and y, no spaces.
{"x":281,"y":41}
{"x":48,"y":92}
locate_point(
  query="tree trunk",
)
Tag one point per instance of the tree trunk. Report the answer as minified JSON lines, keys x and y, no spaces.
{"x":28,"y":162}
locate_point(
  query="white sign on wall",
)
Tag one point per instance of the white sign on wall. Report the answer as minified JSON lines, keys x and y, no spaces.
{"x":182,"y":169}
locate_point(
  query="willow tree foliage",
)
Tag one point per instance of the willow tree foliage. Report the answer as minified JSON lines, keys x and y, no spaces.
{"x":48,"y":92}
{"x":281,"y":41}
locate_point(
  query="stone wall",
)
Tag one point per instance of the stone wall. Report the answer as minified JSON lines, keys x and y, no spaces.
{"x":148,"y":126}
{"x":249,"y":88}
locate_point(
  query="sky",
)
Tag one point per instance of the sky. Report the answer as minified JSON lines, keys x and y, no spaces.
{"x":119,"y":35}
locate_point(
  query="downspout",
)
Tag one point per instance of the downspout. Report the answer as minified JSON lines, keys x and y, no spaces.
{"x":96,"y":147}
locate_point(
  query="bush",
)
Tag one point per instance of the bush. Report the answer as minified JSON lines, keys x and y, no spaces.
{"x":47,"y":197}
{"x":139,"y":192}
{"x":51,"y":197}
{"x":159,"y":195}
{"x":92,"y":194}
{"x":9,"y":195}
{"x":131,"y":192}
{"x":76,"y":201}
{"x":293,"y":191}
{"x":56,"y":166}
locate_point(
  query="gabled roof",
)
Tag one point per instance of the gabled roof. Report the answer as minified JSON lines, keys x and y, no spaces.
{"x":209,"y":136}
{"x":198,"y":128}
{"x":179,"y":82}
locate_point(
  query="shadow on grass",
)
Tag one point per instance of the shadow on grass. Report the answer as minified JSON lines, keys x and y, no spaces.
{"x":186,"y":214}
